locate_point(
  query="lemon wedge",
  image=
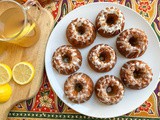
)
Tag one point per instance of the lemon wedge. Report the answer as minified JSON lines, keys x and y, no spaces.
{"x":5,"y":92}
{"x":23,"y":73}
{"x":5,"y":74}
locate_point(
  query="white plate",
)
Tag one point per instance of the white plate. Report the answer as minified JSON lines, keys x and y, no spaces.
{"x":132,"y":98}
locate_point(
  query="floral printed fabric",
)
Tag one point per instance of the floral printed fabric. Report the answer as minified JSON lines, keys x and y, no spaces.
{"x":48,"y":106}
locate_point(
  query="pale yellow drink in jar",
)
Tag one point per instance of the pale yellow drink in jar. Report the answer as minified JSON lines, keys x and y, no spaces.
{"x":12,"y":25}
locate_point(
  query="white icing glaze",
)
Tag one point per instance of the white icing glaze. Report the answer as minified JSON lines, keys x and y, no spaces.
{"x":123,"y":41}
{"x":102,"y":20}
{"x":106,"y":81}
{"x":84,"y":94}
{"x":141,"y":82}
{"x":60,"y":65}
{"x":94,"y":57}
{"x":88,"y":30}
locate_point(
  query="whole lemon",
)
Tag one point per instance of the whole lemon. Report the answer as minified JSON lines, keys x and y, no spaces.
{"x":5,"y":92}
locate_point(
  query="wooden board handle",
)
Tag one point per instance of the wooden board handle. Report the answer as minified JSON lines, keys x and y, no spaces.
{"x":4,"y":112}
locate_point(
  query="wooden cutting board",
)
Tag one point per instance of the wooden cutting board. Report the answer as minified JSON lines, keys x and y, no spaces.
{"x":11,"y":54}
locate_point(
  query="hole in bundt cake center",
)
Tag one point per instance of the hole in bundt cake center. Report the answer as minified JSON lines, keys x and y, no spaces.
{"x":133,"y":41}
{"x":112,"y":90}
{"x":81,"y":30}
{"x":104,"y":56}
{"x":78,"y":87}
{"x":111,"y":19}
{"x":138,"y":73}
{"x":66,"y":58}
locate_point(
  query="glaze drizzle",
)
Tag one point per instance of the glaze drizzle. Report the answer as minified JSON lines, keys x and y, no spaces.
{"x":103,"y":83}
{"x":85,"y":93}
{"x":133,"y":51}
{"x":102,"y":20}
{"x":88,"y":26}
{"x":94,"y":57}
{"x":75,"y":56}
{"x":127,"y":73}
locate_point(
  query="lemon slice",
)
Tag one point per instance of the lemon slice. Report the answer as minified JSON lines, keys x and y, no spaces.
{"x":27,"y":30}
{"x":5,"y":92}
{"x":5,"y":74}
{"x":23,"y":73}
{"x":29,"y":27}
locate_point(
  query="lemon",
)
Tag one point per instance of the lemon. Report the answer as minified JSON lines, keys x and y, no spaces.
{"x":5,"y":92}
{"x":28,"y":28}
{"x":5,"y":74}
{"x":23,"y":73}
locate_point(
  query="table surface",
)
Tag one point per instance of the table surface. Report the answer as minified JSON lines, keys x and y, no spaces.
{"x":46,"y":105}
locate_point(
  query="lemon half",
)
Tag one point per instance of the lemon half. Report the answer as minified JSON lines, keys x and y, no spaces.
{"x":23,"y":73}
{"x":5,"y":74}
{"x":5,"y":92}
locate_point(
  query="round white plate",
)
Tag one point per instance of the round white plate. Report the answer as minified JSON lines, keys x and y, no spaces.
{"x":132,"y":98}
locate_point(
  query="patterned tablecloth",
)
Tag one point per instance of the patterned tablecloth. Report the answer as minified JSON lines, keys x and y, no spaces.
{"x":46,"y":105}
